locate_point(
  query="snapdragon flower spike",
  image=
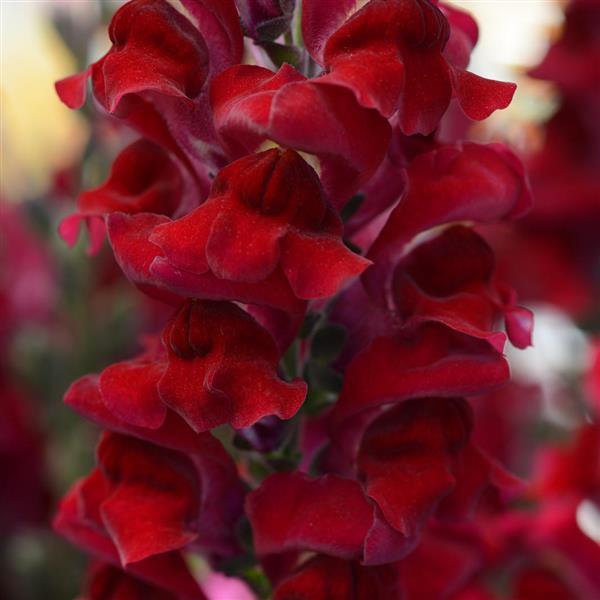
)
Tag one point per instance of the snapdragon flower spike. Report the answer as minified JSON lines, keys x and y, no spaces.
{"x":252,"y":105}
{"x":222,"y":368}
{"x":143,"y":178}
{"x":266,"y":223}
{"x":382,"y":52}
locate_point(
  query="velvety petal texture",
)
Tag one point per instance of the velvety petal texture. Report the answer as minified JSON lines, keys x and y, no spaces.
{"x":310,"y":515}
{"x":222,"y":368}
{"x":456,"y":183}
{"x":154,"y":76}
{"x":252,"y":104}
{"x":381,"y":52}
{"x":78,"y":520}
{"x":215,"y":365}
{"x":435,"y":362}
{"x":265,"y":218}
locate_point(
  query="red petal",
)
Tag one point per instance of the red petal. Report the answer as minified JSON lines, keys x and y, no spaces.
{"x":328,"y":122}
{"x":480,"y":97}
{"x":317,"y":266}
{"x":72,"y":90}
{"x":219,"y":24}
{"x":320,"y":18}
{"x":255,"y":391}
{"x":519,"y":326}
{"x":70,"y":228}
{"x":96,"y":232}
{"x":326,"y":578}
{"x":153,"y":499}
{"x":291,"y":511}
{"x":241,"y":98}
{"x":135,"y":254}
{"x":406,"y":457}
{"x":168,"y":571}
{"x":129,"y":390}
{"x":437,"y":362}
{"x":456,"y":183}
{"x":425,"y":99}
{"x":106,"y":582}
{"x":183,"y":241}
{"x":155,"y":48}
{"x":143,"y":178}
{"x":253,"y":104}
{"x":222,"y":369}
{"x":273,"y":291}
{"x":243,"y":246}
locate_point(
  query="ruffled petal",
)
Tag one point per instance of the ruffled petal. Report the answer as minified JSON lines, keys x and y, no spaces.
{"x":317,"y":266}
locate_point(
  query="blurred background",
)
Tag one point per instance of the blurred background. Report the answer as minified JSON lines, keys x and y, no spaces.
{"x":65,"y":313}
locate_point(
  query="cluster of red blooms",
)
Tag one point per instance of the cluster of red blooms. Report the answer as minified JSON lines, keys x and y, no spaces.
{"x":358,"y":219}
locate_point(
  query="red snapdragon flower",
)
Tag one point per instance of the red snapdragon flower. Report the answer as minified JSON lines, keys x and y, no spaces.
{"x":79,"y":522}
{"x":145,"y":500}
{"x":381,"y":52}
{"x":215,"y":365}
{"x":434,"y":362}
{"x":388,"y":504}
{"x":143,"y":178}
{"x":155,"y":75}
{"x":256,"y":239}
{"x":220,"y":480}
